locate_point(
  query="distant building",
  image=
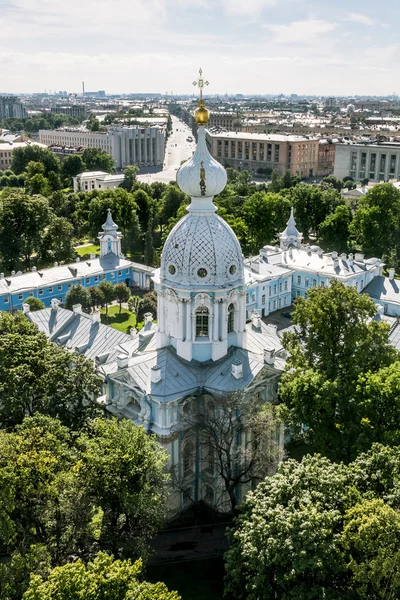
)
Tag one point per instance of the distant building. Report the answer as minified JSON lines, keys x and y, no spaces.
{"x":128,"y":145}
{"x":326,"y":157}
{"x":6,"y":150}
{"x":252,"y":151}
{"x":97,"y":180}
{"x":225,"y":120}
{"x":72,"y":110}
{"x":378,"y":161}
{"x":11,"y":107}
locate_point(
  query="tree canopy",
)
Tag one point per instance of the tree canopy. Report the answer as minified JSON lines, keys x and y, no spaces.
{"x":338,"y":357}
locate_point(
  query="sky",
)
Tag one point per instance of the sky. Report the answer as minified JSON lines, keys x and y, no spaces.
{"x":320,"y":47}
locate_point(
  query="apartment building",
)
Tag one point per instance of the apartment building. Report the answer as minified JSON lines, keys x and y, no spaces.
{"x":375,"y":161}
{"x":252,"y":151}
{"x":11,"y":107}
{"x":326,"y":157}
{"x":128,"y":145}
{"x":225,"y":120}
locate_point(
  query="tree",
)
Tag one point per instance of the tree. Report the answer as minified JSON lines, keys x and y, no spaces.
{"x":130,"y":173}
{"x":36,"y":376}
{"x":78,"y":295}
{"x":23,"y":220}
{"x":98,"y":160}
{"x":336,"y":346}
{"x":133,"y":303}
{"x":123,"y":470}
{"x":34,"y":303}
{"x":149,"y":245}
{"x":108,"y":291}
{"x":170,"y":202}
{"x":318,"y":529}
{"x":122,"y":294}
{"x":148,"y":304}
{"x":258,"y":215}
{"x":101,"y":578}
{"x":335,"y":230}
{"x":237,"y":434}
{"x":97,"y":297}
{"x":144,"y":204}
{"x":371,"y":538}
{"x":286,"y":539}
{"x":22,"y":156}
{"x":71,"y":167}
{"x":376,"y":224}
{"x":50,"y":514}
{"x":58,"y":239}
{"x":332,"y":181}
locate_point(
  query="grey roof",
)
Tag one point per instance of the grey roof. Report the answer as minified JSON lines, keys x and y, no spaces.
{"x":179,"y":377}
{"x":80,"y":332}
{"x":383,"y":288}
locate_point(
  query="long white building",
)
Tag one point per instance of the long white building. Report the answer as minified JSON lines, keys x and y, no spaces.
{"x":128,"y":144}
{"x":376,"y":162}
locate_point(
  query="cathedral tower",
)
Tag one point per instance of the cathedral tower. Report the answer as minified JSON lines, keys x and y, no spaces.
{"x":201,"y":285}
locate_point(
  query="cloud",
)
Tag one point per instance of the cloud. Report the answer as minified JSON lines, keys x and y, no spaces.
{"x":300,"y":31}
{"x":358,"y":18}
{"x":246,"y":7}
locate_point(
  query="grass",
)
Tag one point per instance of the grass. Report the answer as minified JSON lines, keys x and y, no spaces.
{"x":93,"y":249}
{"x":194,"y":580}
{"x":122,"y":321}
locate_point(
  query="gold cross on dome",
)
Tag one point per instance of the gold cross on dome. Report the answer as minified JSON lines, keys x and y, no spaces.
{"x":201,"y":83}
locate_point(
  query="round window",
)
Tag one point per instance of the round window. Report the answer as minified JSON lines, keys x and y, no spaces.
{"x":232,"y":269}
{"x":172,"y":269}
{"x":202,"y":273}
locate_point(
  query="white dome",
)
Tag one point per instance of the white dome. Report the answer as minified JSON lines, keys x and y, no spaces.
{"x":202,"y":250}
{"x":201,"y":176}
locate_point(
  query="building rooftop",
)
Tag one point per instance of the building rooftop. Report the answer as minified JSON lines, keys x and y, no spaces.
{"x":385,"y":289}
{"x":262,"y":137}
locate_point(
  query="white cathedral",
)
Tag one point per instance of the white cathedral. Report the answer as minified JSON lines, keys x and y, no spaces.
{"x":201,"y":345}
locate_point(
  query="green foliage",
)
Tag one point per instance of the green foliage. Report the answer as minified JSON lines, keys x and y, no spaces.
{"x":130,"y":173}
{"x":338,"y":359}
{"x":123,"y":470}
{"x":34,"y":303}
{"x":97,"y":297}
{"x":98,"y":160}
{"x":108,"y":291}
{"x":335,"y":230}
{"x":312,"y":204}
{"x":122,"y":293}
{"x":78,"y":295}
{"x":22,"y":223}
{"x":376,"y":224}
{"x":133,"y":303}
{"x":38,"y":376}
{"x":371,"y":539}
{"x":148,"y":304}
{"x":102,"y":578}
{"x":21,"y":157}
{"x":58,"y":240}
{"x":70,"y":167}
{"x":318,"y":530}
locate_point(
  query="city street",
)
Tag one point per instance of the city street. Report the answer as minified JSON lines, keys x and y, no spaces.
{"x":177,"y":150}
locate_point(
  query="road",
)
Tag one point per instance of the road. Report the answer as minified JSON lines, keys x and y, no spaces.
{"x":177,"y":150}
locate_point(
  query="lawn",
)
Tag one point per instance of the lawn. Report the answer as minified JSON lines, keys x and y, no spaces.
{"x":194,"y":580}
{"x":122,"y":321}
{"x":93,"y":249}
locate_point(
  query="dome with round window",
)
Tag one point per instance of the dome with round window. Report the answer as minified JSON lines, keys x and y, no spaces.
{"x":202,"y":250}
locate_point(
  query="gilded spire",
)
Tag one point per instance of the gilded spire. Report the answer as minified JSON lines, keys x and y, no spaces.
{"x":201,"y":114}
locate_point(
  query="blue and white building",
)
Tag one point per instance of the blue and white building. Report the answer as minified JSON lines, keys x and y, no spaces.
{"x":55,"y":282}
{"x":292,"y":268}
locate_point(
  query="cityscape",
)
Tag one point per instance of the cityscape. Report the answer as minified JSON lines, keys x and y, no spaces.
{"x":199,"y":301}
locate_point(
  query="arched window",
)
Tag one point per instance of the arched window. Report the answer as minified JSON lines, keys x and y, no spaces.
{"x":187,"y":458}
{"x":231,"y":318}
{"x":202,"y":315}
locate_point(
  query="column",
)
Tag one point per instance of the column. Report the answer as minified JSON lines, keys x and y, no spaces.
{"x":180,"y":319}
{"x":216,"y":320}
{"x":242,"y":320}
{"x":139,"y":146}
{"x":146,"y":158}
{"x":161,"y":308}
{"x":151,"y":147}
{"x":258,"y":151}
{"x":223,"y":319}
{"x":188,"y":321}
